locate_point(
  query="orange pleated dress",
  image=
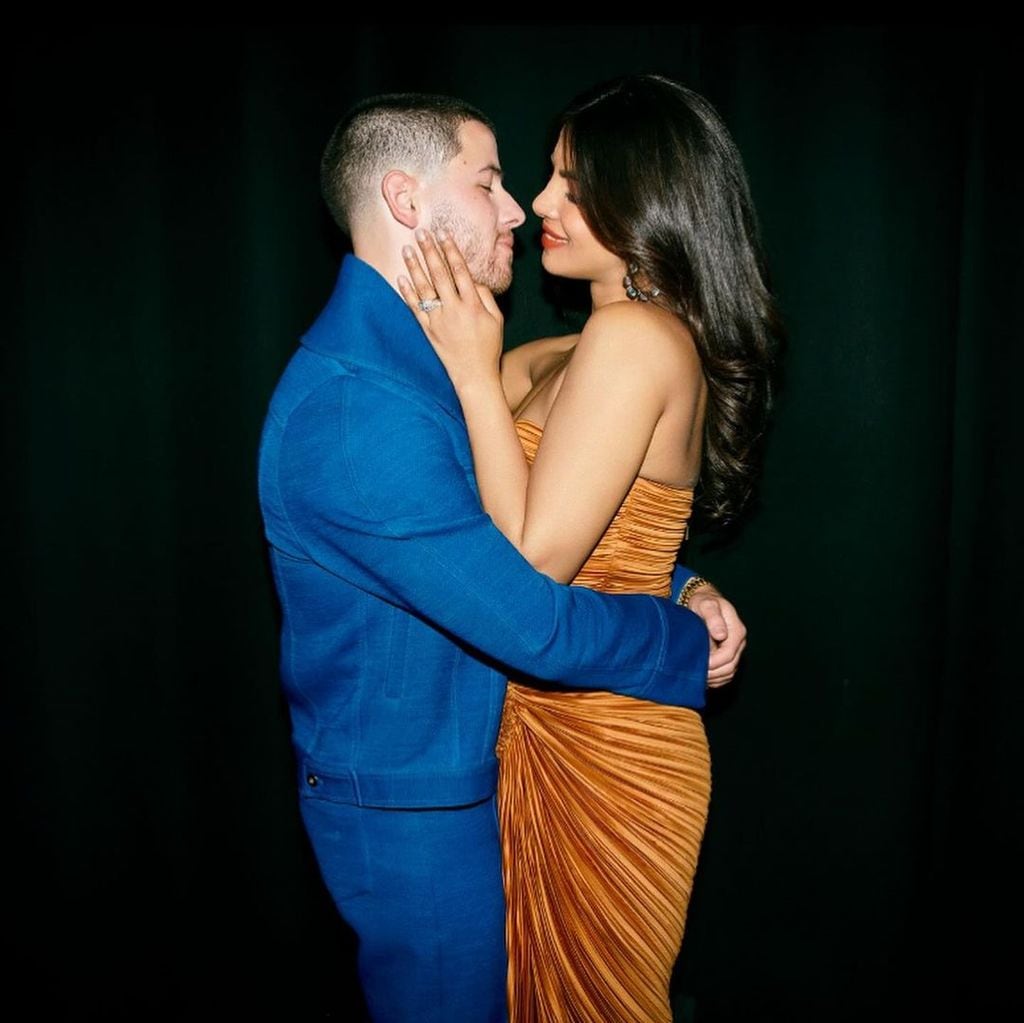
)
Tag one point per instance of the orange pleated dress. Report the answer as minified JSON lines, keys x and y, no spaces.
{"x":602,"y":802}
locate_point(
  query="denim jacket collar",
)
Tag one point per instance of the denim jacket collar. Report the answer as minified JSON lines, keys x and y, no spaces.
{"x":366,"y":323}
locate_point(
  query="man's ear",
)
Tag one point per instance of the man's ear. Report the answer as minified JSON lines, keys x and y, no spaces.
{"x":401,"y":193}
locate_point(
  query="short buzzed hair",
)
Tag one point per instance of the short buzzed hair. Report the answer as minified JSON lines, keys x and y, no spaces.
{"x":398,"y":131}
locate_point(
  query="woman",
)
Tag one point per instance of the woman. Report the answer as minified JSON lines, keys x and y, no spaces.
{"x":587,"y":451}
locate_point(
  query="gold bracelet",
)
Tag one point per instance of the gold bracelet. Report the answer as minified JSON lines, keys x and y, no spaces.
{"x":689,"y":586}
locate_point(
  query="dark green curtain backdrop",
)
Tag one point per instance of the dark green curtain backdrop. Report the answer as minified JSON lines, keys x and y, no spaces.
{"x":166,"y":246}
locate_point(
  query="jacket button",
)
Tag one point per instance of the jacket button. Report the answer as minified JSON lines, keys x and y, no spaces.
{"x":312,"y":780}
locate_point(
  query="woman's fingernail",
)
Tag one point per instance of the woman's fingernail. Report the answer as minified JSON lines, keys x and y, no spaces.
{"x":421,"y":235}
{"x":442,"y":235}
{"x":407,"y":251}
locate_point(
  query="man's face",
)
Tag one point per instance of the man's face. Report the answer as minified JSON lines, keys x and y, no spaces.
{"x":469,"y":201}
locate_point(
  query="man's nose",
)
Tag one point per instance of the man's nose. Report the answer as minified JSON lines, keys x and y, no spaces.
{"x":514,"y":215}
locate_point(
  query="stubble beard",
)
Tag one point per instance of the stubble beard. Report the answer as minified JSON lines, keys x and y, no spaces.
{"x":494,"y":271}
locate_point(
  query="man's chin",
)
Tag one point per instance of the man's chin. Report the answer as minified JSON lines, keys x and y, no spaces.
{"x":500,"y":278}
{"x":503,"y":285}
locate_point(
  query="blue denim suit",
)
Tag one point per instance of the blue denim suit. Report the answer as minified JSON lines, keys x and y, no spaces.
{"x":404,"y":611}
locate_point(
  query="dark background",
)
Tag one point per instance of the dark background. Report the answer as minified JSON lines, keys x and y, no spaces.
{"x":166,"y":246}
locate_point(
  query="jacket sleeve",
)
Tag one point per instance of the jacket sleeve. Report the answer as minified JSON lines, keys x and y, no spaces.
{"x":681,"y":575}
{"x":374,"y":490}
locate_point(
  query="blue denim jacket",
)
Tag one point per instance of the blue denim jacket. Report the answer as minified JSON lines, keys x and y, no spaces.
{"x":404,"y":608}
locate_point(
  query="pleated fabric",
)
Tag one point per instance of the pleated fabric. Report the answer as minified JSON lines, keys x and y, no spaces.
{"x":602,"y":801}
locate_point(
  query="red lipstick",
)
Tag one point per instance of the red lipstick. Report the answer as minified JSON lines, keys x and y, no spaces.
{"x":550,"y":240}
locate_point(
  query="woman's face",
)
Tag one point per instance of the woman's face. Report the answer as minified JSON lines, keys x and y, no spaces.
{"x":570,"y":248}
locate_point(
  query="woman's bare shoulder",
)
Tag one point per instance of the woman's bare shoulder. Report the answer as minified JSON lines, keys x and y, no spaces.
{"x":637,"y":320}
{"x":644,"y":335}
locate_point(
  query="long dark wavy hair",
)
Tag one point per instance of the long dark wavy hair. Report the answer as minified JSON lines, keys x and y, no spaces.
{"x":661,"y":185}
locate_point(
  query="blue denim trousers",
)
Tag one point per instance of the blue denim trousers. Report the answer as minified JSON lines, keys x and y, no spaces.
{"x":422,"y":889}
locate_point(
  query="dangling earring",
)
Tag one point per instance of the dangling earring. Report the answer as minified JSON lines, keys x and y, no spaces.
{"x":633,"y":293}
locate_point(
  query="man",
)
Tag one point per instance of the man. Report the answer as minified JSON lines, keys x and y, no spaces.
{"x":404,"y":608}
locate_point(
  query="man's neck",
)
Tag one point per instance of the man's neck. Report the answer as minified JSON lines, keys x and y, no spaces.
{"x":383,"y":251}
